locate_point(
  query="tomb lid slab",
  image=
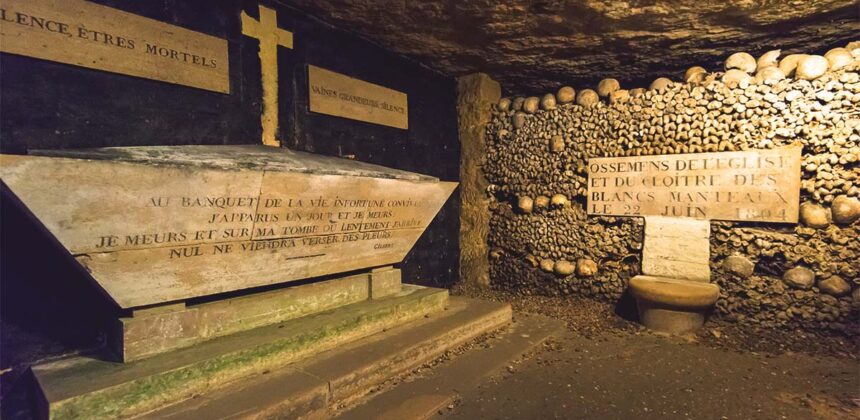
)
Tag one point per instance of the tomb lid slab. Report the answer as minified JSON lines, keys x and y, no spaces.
{"x":237,"y":157}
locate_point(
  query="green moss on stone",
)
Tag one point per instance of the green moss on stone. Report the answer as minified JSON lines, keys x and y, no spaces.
{"x":168,"y":387}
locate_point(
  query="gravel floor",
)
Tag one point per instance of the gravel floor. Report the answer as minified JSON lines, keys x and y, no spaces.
{"x":588,"y":317}
{"x":606,"y":366}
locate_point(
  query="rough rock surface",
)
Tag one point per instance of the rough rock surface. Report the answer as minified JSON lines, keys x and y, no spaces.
{"x":475,"y":95}
{"x":533,"y":46}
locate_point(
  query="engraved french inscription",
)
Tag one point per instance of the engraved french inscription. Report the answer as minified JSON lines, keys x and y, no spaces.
{"x":150,"y":234}
{"x":98,"y":37}
{"x":752,"y":185}
{"x":343,"y":96}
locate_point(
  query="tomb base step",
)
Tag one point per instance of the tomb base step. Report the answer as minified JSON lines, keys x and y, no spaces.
{"x":92,"y":387}
{"x":319,"y":387}
{"x":162,"y":329}
{"x":423,"y":397}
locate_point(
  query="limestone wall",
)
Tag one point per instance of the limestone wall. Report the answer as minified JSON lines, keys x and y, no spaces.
{"x":779,"y":276}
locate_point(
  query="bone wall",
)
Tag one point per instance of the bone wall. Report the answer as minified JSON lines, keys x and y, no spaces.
{"x":773,"y":275}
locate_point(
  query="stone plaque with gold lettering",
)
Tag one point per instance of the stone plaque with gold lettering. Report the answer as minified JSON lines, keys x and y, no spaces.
{"x":343,"y":96}
{"x":752,"y":185}
{"x":160,"y":224}
{"x":90,"y":35}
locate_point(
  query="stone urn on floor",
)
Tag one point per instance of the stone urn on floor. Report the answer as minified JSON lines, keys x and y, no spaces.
{"x":674,"y":306}
{"x":674,"y":294}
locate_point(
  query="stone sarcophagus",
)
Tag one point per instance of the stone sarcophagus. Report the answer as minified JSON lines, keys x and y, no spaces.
{"x":154,"y":225}
{"x":183,"y":238}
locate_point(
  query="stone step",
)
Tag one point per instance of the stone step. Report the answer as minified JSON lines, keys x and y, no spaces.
{"x":424,"y":397}
{"x":314,"y":388}
{"x":91,"y":387}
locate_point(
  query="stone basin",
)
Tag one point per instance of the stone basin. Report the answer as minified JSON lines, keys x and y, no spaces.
{"x":672,"y":305}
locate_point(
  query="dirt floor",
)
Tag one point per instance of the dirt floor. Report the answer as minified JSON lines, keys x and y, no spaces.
{"x":605,"y":366}
{"x":608,"y":367}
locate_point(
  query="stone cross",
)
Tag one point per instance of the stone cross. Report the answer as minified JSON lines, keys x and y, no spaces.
{"x":266,"y":30}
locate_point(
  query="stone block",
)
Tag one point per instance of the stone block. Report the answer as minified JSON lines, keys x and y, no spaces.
{"x":678,"y":269}
{"x":384,"y":281}
{"x":676,"y":247}
{"x":160,"y":329}
{"x":321,"y":386}
{"x":87,"y":387}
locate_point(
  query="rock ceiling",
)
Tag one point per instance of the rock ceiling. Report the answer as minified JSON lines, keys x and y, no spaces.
{"x":534,"y":46}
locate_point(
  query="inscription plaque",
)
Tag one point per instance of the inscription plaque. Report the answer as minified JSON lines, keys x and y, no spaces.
{"x":153,"y":233}
{"x":752,"y":185}
{"x":343,"y":96}
{"x":90,"y":35}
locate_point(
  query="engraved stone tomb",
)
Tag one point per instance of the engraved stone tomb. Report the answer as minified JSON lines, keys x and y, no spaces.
{"x":199,"y":246}
{"x":156,"y":226}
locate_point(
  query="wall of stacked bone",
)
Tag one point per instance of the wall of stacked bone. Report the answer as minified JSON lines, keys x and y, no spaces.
{"x":778,"y":276}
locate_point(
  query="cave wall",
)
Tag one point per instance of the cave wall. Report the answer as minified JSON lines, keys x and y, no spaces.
{"x":542,"y":242}
{"x":49,"y":105}
{"x":534,"y":46}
